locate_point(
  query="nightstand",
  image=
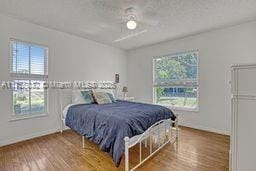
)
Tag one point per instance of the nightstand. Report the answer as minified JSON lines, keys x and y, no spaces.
{"x":126,"y":98}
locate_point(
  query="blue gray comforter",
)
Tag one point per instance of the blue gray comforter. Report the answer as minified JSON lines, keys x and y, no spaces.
{"x":108,"y":124}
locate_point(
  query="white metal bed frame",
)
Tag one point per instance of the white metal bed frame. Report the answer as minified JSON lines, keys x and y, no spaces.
{"x":164,"y":127}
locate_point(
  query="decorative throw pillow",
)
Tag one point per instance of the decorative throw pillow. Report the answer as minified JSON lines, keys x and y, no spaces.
{"x":112,"y":98}
{"x":88,"y":96}
{"x":78,"y":98}
{"x":101,"y":97}
{"x":110,"y":92}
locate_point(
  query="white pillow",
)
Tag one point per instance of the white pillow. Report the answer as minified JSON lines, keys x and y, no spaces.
{"x":77,"y":97}
{"x":110,"y":91}
{"x":102,"y":97}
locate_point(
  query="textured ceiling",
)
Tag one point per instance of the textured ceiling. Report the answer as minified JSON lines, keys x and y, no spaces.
{"x":103,"y":20}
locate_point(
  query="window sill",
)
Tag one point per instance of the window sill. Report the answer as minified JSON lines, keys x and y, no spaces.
{"x":28,"y":116}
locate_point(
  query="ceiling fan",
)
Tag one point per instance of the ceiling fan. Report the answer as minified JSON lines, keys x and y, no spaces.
{"x":132,"y":20}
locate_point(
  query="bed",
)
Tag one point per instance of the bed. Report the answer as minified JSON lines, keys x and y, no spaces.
{"x":117,"y":127}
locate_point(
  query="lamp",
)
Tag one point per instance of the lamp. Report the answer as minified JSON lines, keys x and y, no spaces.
{"x":125,"y":90}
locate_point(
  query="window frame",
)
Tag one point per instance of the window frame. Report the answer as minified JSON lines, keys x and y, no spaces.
{"x":29,"y":77}
{"x":183,"y":108}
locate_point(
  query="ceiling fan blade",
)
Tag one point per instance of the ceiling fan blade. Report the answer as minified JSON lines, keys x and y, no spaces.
{"x":130,"y":36}
{"x":149,"y":22}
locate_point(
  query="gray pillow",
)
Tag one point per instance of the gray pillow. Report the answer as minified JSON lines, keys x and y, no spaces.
{"x":102,"y":98}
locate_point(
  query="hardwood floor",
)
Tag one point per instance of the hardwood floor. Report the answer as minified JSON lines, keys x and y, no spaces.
{"x":197,"y":151}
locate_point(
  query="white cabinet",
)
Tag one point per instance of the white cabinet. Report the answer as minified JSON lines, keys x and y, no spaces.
{"x":243,"y":136}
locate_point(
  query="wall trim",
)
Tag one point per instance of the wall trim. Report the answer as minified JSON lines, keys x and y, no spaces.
{"x":51,"y":131}
{"x":57,"y":30}
{"x":203,"y":128}
{"x":218,"y":28}
{"x":27,"y":137}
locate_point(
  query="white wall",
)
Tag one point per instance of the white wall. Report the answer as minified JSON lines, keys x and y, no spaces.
{"x":70,"y":58}
{"x":218,"y":50}
{"x":74,"y":58}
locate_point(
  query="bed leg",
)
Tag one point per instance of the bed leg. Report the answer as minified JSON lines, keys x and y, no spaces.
{"x":61,"y":126}
{"x":83,"y":141}
{"x":177,"y":127}
{"x":146,"y":143}
{"x":177,"y":132}
{"x":126,"y":153}
{"x":158,"y":137}
{"x":61,"y":108}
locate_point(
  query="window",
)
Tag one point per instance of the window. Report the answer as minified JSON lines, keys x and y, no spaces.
{"x":29,"y":73}
{"x":176,"y":80}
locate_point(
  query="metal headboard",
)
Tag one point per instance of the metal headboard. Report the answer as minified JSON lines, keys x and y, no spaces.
{"x":65,"y":95}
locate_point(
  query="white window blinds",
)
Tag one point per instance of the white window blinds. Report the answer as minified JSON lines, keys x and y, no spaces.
{"x":176,"y":70}
{"x":28,"y":59}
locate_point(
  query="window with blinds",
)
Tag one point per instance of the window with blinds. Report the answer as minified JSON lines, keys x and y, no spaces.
{"x":176,"y":80}
{"x":29,"y":73}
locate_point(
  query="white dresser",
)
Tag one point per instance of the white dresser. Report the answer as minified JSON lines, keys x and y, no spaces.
{"x":243,"y":135}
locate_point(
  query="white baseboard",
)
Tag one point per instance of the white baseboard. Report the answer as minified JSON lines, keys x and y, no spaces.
{"x":27,"y":137}
{"x":205,"y":128}
{"x":51,"y":131}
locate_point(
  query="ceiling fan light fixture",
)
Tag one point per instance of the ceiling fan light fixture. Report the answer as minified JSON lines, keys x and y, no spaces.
{"x":131,"y":24}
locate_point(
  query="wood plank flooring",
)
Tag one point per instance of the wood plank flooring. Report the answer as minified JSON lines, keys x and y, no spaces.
{"x":197,"y":151}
